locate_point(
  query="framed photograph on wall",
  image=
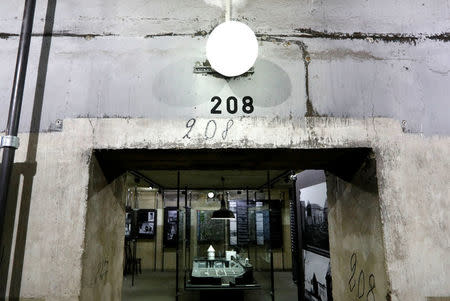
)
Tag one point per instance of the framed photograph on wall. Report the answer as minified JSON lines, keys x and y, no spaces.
{"x":128,"y":221}
{"x":318,"y":284}
{"x":316,"y":246}
{"x":170,"y":227}
{"x":146,"y":219}
{"x":314,"y":207}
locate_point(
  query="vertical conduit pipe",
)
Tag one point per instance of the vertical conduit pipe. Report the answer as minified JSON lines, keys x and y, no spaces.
{"x":185,"y":229}
{"x":12,"y":126}
{"x":299,"y":240}
{"x":228,"y":11}
{"x":156,"y":227}
{"x":178,"y":238}
{"x":163,"y":249}
{"x":248,"y":242}
{"x":272,"y":279}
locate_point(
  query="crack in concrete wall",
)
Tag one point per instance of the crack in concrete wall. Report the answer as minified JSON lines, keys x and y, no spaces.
{"x":358,"y":72}
{"x":385,"y":37}
{"x":306,"y":57}
{"x":304,"y":33}
{"x":341,"y":53}
{"x":310,"y":111}
{"x":5,"y":35}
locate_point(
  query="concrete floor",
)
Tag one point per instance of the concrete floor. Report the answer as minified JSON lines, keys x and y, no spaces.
{"x":160,"y":286}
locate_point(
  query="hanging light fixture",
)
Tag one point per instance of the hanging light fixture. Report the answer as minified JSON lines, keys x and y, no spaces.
{"x":223,"y":212}
{"x":232,"y":47}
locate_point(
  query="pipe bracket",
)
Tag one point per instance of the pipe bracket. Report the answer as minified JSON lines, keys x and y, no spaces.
{"x":9,"y":141}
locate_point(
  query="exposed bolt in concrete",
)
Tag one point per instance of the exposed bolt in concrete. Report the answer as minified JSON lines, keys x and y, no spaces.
{"x":404,"y":123}
{"x":56,"y":126}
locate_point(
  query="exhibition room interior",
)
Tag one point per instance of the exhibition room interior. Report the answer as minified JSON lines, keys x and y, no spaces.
{"x":219,"y":224}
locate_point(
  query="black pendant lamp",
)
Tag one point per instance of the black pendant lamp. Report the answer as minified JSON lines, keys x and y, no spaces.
{"x":223,"y":212}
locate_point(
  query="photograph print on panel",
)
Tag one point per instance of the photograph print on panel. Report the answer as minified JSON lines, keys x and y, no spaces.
{"x":170,"y":227}
{"x":128,"y":223}
{"x":146,"y":223}
{"x":316,"y":246}
{"x":313,"y":200}
{"x":317,"y":277}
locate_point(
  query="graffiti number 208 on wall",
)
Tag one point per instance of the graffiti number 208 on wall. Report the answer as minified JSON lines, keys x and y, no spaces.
{"x":232,"y":105}
{"x":360,"y":285}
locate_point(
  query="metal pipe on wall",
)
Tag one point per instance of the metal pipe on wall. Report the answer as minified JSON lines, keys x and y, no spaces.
{"x":178,"y":238}
{"x":248,"y":242}
{"x":186,"y":250}
{"x":298,"y":240}
{"x":10,"y":142}
{"x":162,"y":248}
{"x":272,"y":279}
{"x":156,"y":227}
{"x":135,"y":231}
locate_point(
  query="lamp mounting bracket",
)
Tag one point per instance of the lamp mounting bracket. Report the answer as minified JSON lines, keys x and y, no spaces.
{"x":209,"y":70}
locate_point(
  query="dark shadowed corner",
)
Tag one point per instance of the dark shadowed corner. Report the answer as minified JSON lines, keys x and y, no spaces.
{"x":29,"y":167}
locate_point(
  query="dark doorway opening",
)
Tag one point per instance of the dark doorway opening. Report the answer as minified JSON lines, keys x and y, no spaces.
{"x":342,"y":162}
{"x":159,"y":168}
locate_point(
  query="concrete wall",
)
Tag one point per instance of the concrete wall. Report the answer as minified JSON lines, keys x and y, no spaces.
{"x":356,"y":237}
{"x":134,"y":59}
{"x":51,"y":219}
{"x":417,"y":237}
{"x":102,"y":261}
{"x":345,"y":59}
{"x":412,"y":173}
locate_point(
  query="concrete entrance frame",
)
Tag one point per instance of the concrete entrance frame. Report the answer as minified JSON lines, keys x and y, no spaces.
{"x":390,"y":232}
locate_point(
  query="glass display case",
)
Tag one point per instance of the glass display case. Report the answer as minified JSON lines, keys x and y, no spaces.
{"x":225,"y":254}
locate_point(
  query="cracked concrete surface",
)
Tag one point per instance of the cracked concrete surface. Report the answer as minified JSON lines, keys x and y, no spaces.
{"x":130,"y":64}
{"x":99,"y":65}
{"x":110,"y":77}
{"x":412,"y":173}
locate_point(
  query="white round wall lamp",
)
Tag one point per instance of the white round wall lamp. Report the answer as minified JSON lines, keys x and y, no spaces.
{"x":232,"y":48}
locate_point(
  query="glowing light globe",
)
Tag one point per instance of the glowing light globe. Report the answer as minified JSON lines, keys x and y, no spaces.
{"x":232,"y":48}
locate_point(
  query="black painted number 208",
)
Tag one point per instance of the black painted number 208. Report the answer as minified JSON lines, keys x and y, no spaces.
{"x":232,"y":105}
